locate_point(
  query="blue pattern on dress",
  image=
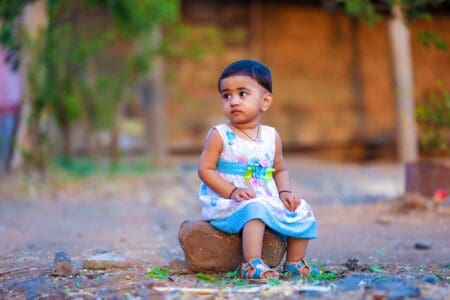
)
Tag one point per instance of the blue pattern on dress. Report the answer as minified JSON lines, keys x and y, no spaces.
{"x":231,"y":136}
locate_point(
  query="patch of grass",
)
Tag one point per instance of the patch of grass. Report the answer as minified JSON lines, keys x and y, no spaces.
{"x":81,"y":167}
{"x":324,"y":276}
{"x":273,"y":281}
{"x":232,"y":274}
{"x":374,"y":268}
{"x":158,"y":273}
{"x":205,"y":277}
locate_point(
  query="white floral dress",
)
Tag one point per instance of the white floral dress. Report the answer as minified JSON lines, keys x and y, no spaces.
{"x":246,"y":163}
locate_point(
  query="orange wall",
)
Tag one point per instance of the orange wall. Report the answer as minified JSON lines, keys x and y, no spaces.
{"x":309,"y":53}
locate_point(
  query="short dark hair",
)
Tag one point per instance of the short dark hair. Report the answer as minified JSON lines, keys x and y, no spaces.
{"x":252,"y":68}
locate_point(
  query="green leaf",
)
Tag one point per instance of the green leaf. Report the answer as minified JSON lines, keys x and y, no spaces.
{"x":429,"y":38}
{"x":438,"y":276}
{"x":204,"y":277}
{"x":375,"y":268}
{"x":324,"y":276}
{"x":232,"y":274}
{"x":240,"y":283}
{"x":158,"y":273}
{"x":273,"y":281}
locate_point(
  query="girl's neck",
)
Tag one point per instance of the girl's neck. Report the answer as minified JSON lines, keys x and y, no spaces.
{"x":246,"y":126}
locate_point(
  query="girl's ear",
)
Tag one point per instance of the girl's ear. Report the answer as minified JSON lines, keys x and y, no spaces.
{"x":267,"y":101}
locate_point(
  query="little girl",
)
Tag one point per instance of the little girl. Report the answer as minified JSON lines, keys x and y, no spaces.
{"x":245,"y":184}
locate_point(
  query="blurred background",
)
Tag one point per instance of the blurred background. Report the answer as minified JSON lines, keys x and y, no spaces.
{"x":96,"y":83}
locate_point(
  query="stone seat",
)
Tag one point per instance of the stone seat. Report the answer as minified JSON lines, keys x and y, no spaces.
{"x":207,"y":249}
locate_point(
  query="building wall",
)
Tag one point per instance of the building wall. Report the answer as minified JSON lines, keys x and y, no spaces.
{"x":309,"y":51}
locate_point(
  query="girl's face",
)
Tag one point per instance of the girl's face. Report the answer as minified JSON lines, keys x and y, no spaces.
{"x":243,"y":99}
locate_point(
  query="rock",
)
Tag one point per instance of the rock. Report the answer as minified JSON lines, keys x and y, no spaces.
{"x":432,"y":279}
{"x":383,"y":220}
{"x":207,"y":249}
{"x":62,"y":265}
{"x":422,"y":245}
{"x":105,"y":261}
{"x":379,"y":295}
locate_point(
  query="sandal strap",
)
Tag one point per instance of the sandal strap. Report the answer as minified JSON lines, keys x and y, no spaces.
{"x":258,"y":267}
{"x":297,"y":268}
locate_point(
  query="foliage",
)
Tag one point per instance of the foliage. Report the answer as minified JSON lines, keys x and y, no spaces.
{"x":363,"y":9}
{"x":413,"y":10}
{"x":324,"y":276}
{"x":9,"y":11}
{"x":83,"y":167}
{"x":73,"y":76}
{"x":429,"y":38}
{"x":273,"y":281}
{"x":158,"y":273}
{"x":433,"y":117}
{"x":205,"y":277}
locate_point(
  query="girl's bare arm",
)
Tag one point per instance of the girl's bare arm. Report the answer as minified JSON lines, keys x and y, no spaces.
{"x":282,"y":180}
{"x":207,"y":165}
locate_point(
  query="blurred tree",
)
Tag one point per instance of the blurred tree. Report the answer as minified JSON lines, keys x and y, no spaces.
{"x":85,"y":64}
{"x":403,"y":12}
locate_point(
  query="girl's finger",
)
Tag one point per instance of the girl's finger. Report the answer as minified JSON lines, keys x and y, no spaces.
{"x":287,"y":203}
{"x":251,"y":194}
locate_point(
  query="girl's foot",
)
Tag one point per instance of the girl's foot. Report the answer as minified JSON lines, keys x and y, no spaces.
{"x":296,"y":268}
{"x":257,"y":269}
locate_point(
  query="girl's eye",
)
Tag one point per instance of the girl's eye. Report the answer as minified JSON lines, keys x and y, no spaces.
{"x":226,"y":96}
{"x":243,"y":93}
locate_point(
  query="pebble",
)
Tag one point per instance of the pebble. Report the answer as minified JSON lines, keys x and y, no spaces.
{"x":383,"y":220}
{"x":422,"y":245}
{"x":62,"y":265}
{"x":105,"y":261}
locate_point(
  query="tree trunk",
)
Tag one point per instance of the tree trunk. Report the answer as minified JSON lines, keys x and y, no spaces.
{"x":114,"y":147}
{"x":402,"y":71}
{"x":154,"y":114}
{"x":33,"y":21}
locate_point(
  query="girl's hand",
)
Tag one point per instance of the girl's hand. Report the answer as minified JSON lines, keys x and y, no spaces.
{"x":290,"y":201}
{"x":242,"y":194}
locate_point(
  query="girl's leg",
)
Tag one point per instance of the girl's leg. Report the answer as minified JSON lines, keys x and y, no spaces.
{"x":252,"y":239}
{"x":252,"y":242}
{"x":296,"y":249}
{"x":295,"y":264}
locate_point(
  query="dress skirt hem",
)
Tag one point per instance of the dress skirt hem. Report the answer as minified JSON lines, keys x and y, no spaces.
{"x":257,"y":210}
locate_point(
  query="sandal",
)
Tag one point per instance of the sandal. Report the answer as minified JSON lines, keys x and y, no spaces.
{"x":296,"y":268}
{"x":256,"y":269}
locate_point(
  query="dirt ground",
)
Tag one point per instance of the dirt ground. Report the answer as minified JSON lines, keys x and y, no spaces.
{"x":138,"y":217}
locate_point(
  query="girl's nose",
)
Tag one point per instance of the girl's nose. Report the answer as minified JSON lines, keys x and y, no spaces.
{"x":234,"y":101}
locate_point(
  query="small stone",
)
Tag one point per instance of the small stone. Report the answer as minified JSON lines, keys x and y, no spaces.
{"x":105,"y":261}
{"x":62,"y":265}
{"x":379,"y":295}
{"x":178,"y":266}
{"x":430,"y":279}
{"x":422,"y":245}
{"x":383,"y":220}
